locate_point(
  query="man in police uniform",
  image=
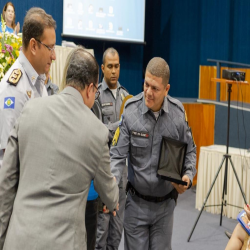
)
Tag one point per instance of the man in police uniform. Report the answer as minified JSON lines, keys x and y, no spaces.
{"x":25,"y":79}
{"x":109,"y":228}
{"x":148,"y":219}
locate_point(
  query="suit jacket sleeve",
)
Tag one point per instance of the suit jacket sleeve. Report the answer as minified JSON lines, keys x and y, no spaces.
{"x":112,"y":126}
{"x":104,"y":182}
{"x":9,"y":177}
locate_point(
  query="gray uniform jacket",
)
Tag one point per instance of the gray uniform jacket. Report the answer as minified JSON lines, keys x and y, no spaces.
{"x":46,"y":174}
{"x":111,"y":106}
{"x":13,"y":98}
{"x":140,"y":138}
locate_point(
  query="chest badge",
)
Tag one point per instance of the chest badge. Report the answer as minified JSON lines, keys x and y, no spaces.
{"x":107,"y":104}
{"x":140,"y":134}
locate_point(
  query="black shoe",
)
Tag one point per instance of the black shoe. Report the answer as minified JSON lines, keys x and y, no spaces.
{"x":228,"y":234}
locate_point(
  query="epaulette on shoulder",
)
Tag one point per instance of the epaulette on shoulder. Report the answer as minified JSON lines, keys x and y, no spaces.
{"x":134,"y":99}
{"x":176,"y":103}
{"x":15,"y":77}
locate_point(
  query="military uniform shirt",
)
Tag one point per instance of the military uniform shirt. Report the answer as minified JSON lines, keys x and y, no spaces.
{"x":13,"y":98}
{"x":111,"y":106}
{"x":140,"y":140}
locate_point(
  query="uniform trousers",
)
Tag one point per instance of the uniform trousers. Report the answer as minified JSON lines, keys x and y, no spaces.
{"x":148,"y":225}
{"x":110,"y":228}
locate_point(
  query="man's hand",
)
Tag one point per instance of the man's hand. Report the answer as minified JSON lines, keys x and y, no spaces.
{"x":181,"y":188}
{"x":106,"y":210}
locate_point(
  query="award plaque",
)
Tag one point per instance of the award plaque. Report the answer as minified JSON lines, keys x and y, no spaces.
{"x":171,"y":160}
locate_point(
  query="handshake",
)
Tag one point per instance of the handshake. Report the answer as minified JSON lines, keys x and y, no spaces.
{"x":105,"y":210}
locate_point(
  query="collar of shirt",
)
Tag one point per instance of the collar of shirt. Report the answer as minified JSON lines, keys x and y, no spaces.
{"x":105,"y":85}
{"x":164,"y":106}
{"x":29,"y":70}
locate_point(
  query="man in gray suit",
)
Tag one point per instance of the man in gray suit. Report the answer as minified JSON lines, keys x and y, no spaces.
{"x":46,"y":174}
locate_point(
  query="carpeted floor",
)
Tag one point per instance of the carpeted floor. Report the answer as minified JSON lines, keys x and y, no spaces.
{"x":208,"y":234}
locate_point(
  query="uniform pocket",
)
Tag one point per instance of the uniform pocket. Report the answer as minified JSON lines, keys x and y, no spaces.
{"x":139,"y":146}
{"x":107,"y":113}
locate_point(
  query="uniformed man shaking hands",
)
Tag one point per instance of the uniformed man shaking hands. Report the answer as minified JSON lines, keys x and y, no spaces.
{"x":112,"y":94}
{"x":148,"y":219}
{"x":25,"y":79}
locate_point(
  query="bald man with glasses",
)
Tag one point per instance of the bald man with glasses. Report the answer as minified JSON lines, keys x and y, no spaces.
{"x":25,"y":79}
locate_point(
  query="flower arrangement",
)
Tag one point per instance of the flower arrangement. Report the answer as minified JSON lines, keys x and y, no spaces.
{"x":10,"y":46}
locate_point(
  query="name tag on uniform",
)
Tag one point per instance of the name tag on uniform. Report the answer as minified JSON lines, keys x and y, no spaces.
{"x":140,"y":134}
{"x":107,"y":104}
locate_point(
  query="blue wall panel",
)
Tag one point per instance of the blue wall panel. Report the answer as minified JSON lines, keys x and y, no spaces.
{"x":131,"y":55}
{"x":185,"y":33}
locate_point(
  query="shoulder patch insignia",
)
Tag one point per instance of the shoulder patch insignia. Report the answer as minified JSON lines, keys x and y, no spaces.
{"x":117,"y":133}
{"x":9,"y":103}
{"x":116,"y":137}
{"x":15,"y":76}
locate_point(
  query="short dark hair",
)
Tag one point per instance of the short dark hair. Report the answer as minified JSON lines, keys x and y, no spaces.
{"x":109,"y":50}
{"x":157,"y":66}
{"x":13,"y":25}
{"x":35,"y":21}
{"x":81,"y":69}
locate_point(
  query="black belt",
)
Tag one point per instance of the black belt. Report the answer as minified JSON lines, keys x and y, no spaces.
{"x":173,"y":194}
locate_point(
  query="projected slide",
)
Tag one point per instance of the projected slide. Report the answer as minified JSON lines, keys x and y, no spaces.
{"x":121,"y":20}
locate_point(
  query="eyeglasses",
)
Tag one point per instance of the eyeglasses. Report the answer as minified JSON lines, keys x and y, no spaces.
{"x":50,"y":49}
{"x":97,"y":93}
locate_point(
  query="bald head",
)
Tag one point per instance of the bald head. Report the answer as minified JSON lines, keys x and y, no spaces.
{"x":110,"y":50}
{"x":157,"y":66}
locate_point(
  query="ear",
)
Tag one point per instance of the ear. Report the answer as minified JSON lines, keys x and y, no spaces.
{"x":33,"y":46}
{"x":102,"y":67}
{"x":167,"y":89}
{"x":89,"y":89}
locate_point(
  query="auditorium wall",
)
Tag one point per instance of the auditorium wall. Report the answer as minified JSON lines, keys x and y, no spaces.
{"x":185,"y":33}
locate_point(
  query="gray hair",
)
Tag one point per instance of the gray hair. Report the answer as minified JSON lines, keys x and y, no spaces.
{"x":157,"y":66}
{"x":35,"y":21}
{"x":81,"y":69}
{"x":111,"y":51}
